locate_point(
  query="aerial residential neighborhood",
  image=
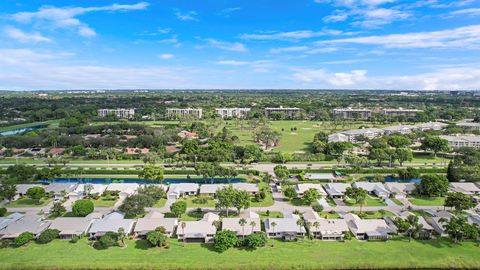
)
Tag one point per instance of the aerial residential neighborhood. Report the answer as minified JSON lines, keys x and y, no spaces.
{"x":309,"y":134}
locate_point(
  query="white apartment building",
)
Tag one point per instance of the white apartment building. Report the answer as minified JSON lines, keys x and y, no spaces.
{"x":351,"y":113}
{"x":119,"y":112}
{"x":177,"y":113}
{"x":232,"y":112}
{"x":457,"y":141}
{"x":290,"y":112}
{"x":400,"y":112}
{"x":370,"y":133}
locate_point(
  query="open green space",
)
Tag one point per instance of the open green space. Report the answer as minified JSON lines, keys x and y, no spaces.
{"x":427,"y":201}
{"x":188,"y":216}
{"x":199,"y":201}
{"x":369,"y":201}
{"x":305,"y":254}
{"x":374,"y":214}
{"x":396,"y":201}
{"x":328,"y":215}
{"x":27,"y":202}
{"x":105,"y":201}
{"x":160,"y":203}
{"x":271,"y":214}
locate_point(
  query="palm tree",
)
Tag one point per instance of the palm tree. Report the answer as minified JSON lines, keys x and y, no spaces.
{"x":183,"y":225}
{"x":121,"y":235}
{"x":242,"y":223}
{"x":300,"y":224}
{"x":316,"y":224}
{"x":273,"y":224}
{"x":253,"y":224}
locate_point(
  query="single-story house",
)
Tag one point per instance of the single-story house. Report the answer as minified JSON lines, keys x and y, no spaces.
{"x":248,"y":187}
{"x":28,"y":223}
{"x":320,"y":176}
{"x":5,"y":221}
{"x":59,"y":191}
{"x":82,"y":190}
{"x":337,"y":137}
{"x":438,"y":223}
{"x":467,"y":188}
{"x":400,"y":190}
{"x":198,"y":231}
{"x":425,"y":233}
{"x":252,"y":224}
{"x":401,"y":129}
{"x":328,"y":229}
{"x":368,"y":229}
{"x":23,"y":188}
{"x":285,"y":228}
{"x":148,"y":224}
{"x":176,"y":191}
{"x":336,"y":190}
{"x":125,"y":189}
{"x":210,"y":189}
{"x":71,"y":226}
{"x":111,"y":223}
{"x":301,"y":188}
{"x":373,"y":188}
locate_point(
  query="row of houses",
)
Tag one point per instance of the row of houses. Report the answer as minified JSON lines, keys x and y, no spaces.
{"x":174,"y":191}
{"x":363,"y":113}
{"x":462,"y":140}
{"x":355,"y":135}
{"x":397,"y":190}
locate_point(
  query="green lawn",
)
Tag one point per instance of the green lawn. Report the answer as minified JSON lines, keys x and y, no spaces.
{"x":374,"y":214}
{"x":104,"y":202}
{"x":329,"y":215}
{"x":268,"y":201}
{"x":196,"y":202}
{"x":273,"y":214}
{"x":189,"y":216}
{"x":27,"y":202}
{"x":60,"y":254}
{"x":427,"y":201}
{"x":396,"y":201}
{"x":369,"y":201}
{"x":160,"y":203}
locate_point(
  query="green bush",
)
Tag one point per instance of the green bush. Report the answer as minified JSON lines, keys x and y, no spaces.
{"x":48,"y":236}
{"x":3,"y":211}
{"x":200,"y":200}
{"x":24,"y":238}
{"x":107,"y":240}
{"x":255,"y":240}
{"x":82,"y":208}
{"x":317,"y":207}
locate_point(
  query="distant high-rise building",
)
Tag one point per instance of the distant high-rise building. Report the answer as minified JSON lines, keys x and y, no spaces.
{"x":352,"y":113}
{"x":400,"y":112}
{"x":176,"y":112}
{"x":289,"y":112}
{"x":232,"y":112}
{"x":119,"y":112}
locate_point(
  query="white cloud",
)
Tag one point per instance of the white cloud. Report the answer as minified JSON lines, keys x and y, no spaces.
{"x":292,"y":35}
{"x":457,"y":78}
{"x":186,"y":16}
{"x":338,"y":16}
{"x":227,"y":12}
{"x":303,"y":49}
{"x":166,"y":56}
{"x":467,"y":11}
{"x":258,"y":66}
{"x":232,"y":63}
{"x":65,"y":17}
{"x":23,"y":37}
{"x":464,"y":37}
{"x":289,"y":49}
{"x":227,"y":46}
{"x":380,"y":16}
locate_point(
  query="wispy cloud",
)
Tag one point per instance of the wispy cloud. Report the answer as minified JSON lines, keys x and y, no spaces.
{"x":226,"y":46}
{"x":467,"y":11}
{"x":303,"y":50}
{"x":464,"y":37}
{"x":66,"y":17}
{"x":23,"y":37}
{"x":259,"y":66}
{"x":292,"y":35}
{"x":186,"y":16}
{"x":227,"y":12}
{"x":166,"y":56}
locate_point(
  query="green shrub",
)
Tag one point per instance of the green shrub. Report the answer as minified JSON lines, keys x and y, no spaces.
{"x":3,"y":211}
{"x":48,"y":236}
{"x":82,"y":208}
{"x":255,"y":240}
{"x":317,"y":207}
{"x":24,"y":238}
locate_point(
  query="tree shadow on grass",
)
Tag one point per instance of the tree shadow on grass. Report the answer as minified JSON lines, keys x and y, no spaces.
{"x":142,"y":244}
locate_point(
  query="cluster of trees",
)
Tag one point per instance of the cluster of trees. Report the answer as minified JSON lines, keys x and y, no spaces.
{"x":390,"y":149}
{"x":225,"y":239}
{"x":432,"y":185}
{"x":465,"y":166}
{"x":45,"y":237}
{"x":146,"y":196}
{"x":228,"y":197}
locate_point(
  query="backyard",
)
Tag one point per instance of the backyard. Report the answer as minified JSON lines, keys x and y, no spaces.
{"x":27,"y":202}
{"x":369,"y":201}
{"x":60,"y":254}
{"x":427,"y":201}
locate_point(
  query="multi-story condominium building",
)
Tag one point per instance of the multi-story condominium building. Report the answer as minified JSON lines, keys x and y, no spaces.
{"x":457,"y":141}
{"x":400,"y":112}
{"x":430,"y":126}
{"x":469,"y":125}
{"x":369,"y":133}
{"x":289,"y":112}
{"x":352,"y":113}
{"x":232,"y":112}
{"x":119,"y":112}
{"x":177,"y":113}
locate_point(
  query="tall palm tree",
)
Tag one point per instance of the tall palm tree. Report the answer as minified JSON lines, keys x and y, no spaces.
{"x":316,"y":224}
{"x":242,"y":223}
{"x":300,"y":223}
{"x":183,"y":225}
{"x":273,"y":224}
{"x":253,"y":224}
{"x":121,"y":235}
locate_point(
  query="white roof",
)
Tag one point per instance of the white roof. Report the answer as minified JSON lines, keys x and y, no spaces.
{"x":301,"y":188}
{"x":22,"y":188}
{"x":398,"y":128}
{"x":5,"y":221}
{"x":71,"y":225}
{"x":210,"y":217}
{"x":111,"y":223}
{"x":197,"y":229}
{"x":366,"y":226}
{"x":397,"y":187}
{"x":144,"y":225}
{"x":337,"y":137}
{"x":183,"y":187}
{"x":252,"y":188}
{"x":286,"y":224}
{"x":362,"y":131}
{"x":336,"y":188}
{"x":461,"y":138}
{"x":320,"y":176}
{"x":211,"y":188}
{"x":464,"y":187}
{"x":128,"y":188}
{"x":330,"y":226}
{"x":249,"y":214}
{"x":96,"y":188}
{"x":29,"y":223}
{"x":233,"y":224}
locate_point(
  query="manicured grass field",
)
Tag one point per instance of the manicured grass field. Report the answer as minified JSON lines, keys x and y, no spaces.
{"x":194,"y":202}
{"x":374,"y":214}
{"x":160,"y":203}
{"x":305,"y":254}
{"x":427,"y":201}
{"x":369,"y":201}
{"x":329,"y":215}
{"x":272,"y":214}
{"x":27,"y":202}
{"x":104,"y":202}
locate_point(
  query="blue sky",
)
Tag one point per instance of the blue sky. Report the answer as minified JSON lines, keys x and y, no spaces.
{"x":327,"y":44}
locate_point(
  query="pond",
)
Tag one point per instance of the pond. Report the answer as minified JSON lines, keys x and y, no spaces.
{"x":21,"y":130}
{"x":142,"y":181}
{"x":396,"y":179}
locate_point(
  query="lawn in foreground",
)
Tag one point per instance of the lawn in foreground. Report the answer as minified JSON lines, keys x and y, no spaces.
{"x":61,"y":254}
{"x":427,"y":201}
{"x":27,"y":202}
{"x":369,"y":201}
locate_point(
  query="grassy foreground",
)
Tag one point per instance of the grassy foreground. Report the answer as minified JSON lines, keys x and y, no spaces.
{"x":61,"y":254}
